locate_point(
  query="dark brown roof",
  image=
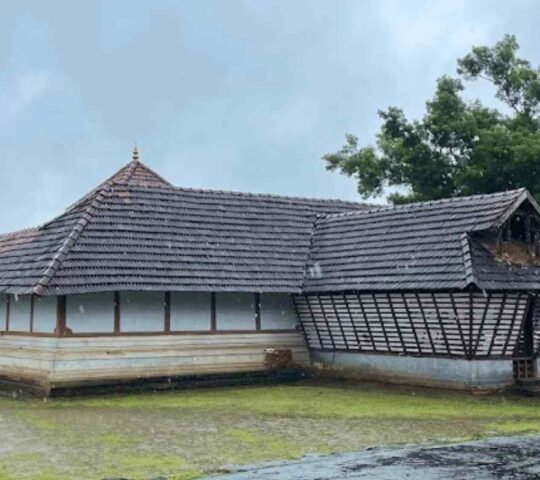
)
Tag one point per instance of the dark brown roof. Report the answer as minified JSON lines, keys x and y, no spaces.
{"x":416,"y":246}
{"x":138,"y":232}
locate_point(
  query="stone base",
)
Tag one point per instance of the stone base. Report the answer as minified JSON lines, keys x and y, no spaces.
{"x":453,"y":373}
{"x":42,"y":365}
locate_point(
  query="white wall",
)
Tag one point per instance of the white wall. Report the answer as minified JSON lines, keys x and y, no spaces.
{"x":90,"y":312}
{"x":19,"y":313}
{"x":277,"y":311}
{"x":190,"y":311}
{"x":235,"y":311}
{"x":44,"y":314}
{"x":424,"y":371}
{"x":142,"y":311}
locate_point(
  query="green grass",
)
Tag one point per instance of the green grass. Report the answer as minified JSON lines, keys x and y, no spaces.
{"x":182,"y":435}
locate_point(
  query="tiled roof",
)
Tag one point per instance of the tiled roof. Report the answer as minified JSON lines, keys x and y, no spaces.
{"x":138,"y":232}
{"x":415,"y":246}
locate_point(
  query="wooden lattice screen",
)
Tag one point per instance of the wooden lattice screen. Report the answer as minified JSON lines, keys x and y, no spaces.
{"x":415,"y":323}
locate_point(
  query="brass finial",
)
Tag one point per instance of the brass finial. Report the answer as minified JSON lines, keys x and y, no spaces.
{"x":135,"y":156}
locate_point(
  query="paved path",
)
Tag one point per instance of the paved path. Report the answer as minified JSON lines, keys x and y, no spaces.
{"x":511,"y":458}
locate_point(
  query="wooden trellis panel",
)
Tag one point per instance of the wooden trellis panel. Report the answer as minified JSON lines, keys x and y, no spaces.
{"x":414,"y":323}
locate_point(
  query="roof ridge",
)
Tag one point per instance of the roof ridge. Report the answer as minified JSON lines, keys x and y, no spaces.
{"x":440,"y":201}
{"x":470,"y":277}
{"x":140,"y":164}
{"x":524,"y":195}
{"x":309,"y":250}
{"x":132,"y":166}
{"x":85,"y":218}
{"x":128,"y":170}
{"x":271,"y":195}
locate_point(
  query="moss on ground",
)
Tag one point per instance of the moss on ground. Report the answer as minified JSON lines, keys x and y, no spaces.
{"x":182,"y":435}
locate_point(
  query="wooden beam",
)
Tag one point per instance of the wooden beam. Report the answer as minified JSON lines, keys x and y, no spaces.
{"x":366,"y":320}
{"x":481,"y":327}
{"x":116,"y":301}
{"x":60,"y":329}
{"x":464,"y":344}
{"x":325,"y":318}
{"x":338,"y":320}
{"x":496,"y":326}
{"x":353,"y":324}
{"x":512,"y":323}
{"x":411,"y":322}
{"x":396,"y":322}
{"x":32,"y":300}
{"x":8,"y":309}
{"x":381,"y":321}
{"x":314,"y":321}
{"x":213,"y":316}
{"x":441,"y":324}
{"x":257,"y":311}
{"x":426,"y":324}
{"x":471,"y":320}
{"x":167,"y":320}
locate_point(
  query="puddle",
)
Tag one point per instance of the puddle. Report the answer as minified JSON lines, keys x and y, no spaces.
{"x":509,"y":458}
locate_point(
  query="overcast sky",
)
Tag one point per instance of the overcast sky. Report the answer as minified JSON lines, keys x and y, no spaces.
{"x":235,"y":95}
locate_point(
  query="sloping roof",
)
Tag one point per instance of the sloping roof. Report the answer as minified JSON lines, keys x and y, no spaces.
{"x":492,"y":274}
{"x":137,"y":232}
{"x":415,"y":246}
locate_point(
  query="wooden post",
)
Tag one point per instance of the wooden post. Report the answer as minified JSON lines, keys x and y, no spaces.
{"x":257,"y":311}
{"x":353,"y":323}
{"x":167,"y":326}
{"x":471,"y":324}
{"x":8,"y":308}
{"x":116,"y":312}
{"x":60,"y":316}
{"x":32,"y":300}
{"x":498,"y":250}
{"x":508,"y":233}
{"x":366,"y":321}
{"x":481,"y":327}
{"x":213,"y":320}
{"x":314,"y":320}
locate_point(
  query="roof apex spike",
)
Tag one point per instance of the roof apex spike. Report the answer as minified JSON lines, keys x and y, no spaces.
{"x":135,"y":155}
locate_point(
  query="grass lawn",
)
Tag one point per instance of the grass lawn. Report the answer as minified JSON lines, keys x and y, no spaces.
{"x":184,"y":434}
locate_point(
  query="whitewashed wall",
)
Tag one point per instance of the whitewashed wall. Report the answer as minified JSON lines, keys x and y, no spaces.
{"x":190,"y":311}
{"x":145,"y":312}
{"x":277,"y":312}
{"x":19,"y":313}
{"x":90,"y":312}
{"x":235,"y":311}
{"x":44,"y":314}
{"x":142,"y":311}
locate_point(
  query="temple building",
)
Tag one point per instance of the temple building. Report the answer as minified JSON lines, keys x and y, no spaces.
{"x":141,"y":280}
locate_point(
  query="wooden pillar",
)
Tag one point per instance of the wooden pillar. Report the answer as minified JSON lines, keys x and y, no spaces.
{"x":167,"y":325}
{"x":257,"y":311}
{"x":32,"y":306}
{"x":60,"y":315}
{"x":213,"y":319}
{"x":8,"y":309}
{"x":116,"y":312}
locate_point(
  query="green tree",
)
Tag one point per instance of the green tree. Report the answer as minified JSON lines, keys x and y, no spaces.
{"x":459,"y":147}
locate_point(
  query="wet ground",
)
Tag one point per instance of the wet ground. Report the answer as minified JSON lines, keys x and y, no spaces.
{"x":516,"y":458}
{"x":187,"y":434}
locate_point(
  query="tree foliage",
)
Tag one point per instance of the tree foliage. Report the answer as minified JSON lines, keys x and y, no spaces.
{"x":459,"y":147}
